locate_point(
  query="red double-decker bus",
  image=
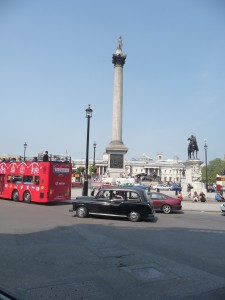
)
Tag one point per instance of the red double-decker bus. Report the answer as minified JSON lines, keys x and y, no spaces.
{"x":220,"y":182}
{"x":35,"y":181}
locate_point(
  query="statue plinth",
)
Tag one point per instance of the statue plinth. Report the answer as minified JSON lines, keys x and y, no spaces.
{"x":193,"y":177}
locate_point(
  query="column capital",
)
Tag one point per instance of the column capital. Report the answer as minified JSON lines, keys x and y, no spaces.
{"x":118,"y":59}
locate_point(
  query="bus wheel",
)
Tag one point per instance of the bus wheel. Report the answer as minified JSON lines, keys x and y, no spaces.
{"x":15,"y":196}
{"x":27,"y":197}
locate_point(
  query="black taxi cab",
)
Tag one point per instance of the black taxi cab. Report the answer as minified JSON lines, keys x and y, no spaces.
{"x":130,"y":202}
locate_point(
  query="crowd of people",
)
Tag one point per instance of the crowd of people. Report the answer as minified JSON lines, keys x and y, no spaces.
{"x":201,"y":197}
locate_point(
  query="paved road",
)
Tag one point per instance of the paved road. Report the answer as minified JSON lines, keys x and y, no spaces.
{"x":47,"y":253}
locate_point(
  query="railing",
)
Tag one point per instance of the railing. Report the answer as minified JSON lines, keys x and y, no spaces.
{"x":51,"y":157}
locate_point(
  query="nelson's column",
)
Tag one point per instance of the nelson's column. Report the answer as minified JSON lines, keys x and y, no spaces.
{"x":116,"y":149}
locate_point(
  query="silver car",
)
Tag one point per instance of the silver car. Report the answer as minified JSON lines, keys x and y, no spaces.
{"x":161,"y":187}
{"x":222,"y":208}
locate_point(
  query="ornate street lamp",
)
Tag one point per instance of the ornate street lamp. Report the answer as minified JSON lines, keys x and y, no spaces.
{"x":88,"y":116}
{"x":206,"y":165}
{"x":94,"y":146}
{"x":24,"y":153}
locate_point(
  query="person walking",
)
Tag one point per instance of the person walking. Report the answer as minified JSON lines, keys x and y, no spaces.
{"x":189,"y":187}
{"x":179,"y":196}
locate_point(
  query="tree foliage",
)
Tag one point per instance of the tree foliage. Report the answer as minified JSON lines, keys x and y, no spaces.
{"x":93,"y":170}
{"x":80,"y":170}
{"x":216,"y":166}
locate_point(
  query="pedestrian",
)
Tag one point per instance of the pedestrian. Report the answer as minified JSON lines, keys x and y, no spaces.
{"x":179,"y":196}
{"x":219,"y":197}
{"x":45,"y":156}
{"x":202,"y":197}
{"x":195,"y":197}
{"x":93,"y":192}
{"x":189,"y":187}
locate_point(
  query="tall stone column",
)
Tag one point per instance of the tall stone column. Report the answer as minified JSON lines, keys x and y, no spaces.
{"x":116,"y":149}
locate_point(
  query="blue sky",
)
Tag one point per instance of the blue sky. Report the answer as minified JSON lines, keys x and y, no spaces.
{"x":56,"y":58}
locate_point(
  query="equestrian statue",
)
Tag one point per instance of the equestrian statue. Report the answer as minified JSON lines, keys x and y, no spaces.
{"x":192,"y":147}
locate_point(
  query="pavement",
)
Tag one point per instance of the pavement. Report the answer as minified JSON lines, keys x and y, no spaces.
{"x":208,"y":206}
{"x":187,"y":204}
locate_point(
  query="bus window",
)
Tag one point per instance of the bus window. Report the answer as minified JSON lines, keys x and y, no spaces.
{"x":37,"y":180}
{"x":17,"y":179}
{"x":9,"y":178}
{"x":28,"y":179}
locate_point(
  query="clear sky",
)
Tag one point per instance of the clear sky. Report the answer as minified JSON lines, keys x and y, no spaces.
{"x":56,"y":58}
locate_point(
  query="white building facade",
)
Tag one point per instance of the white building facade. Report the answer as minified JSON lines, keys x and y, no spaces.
{"x":169,"y":170}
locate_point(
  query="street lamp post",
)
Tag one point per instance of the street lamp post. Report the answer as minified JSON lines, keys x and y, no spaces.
{"x":24,"y":153}
{"x":94,"y":146}
{"x":206,"y":165}
{"x":88,"y":116}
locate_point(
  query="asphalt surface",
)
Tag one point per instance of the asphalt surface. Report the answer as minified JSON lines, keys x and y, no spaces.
{"x":99,"y":259}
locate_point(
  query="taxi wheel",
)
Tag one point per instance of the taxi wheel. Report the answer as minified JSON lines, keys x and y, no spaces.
{"x":166,"y":209}
{"x":82,"y":212}
{"x":134,"y":216}
{"x":15,"y":196}
{"x":27,"y":197}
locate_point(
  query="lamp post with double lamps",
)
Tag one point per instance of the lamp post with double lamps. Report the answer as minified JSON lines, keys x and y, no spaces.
{"x":206,"y":165}
{"x":24,"y":153}
{"x":88,"y":116}
{"x":94,"y":146}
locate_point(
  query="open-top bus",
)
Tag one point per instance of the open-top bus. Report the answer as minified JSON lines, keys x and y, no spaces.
{"x":36,"y":181}
{"x":220,"y":182}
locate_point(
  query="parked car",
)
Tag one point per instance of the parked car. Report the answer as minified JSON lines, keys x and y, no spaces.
{"x":175,"y":187}
{"x":141,"y":175}
{"x":141,"y":186}
{"x":127,"y":184}
{"x":148,"y":177}
{"x":162,"y":187}
{"x":130,"y":202}
{"x":164,"y":203}
{"x":222,"y":208}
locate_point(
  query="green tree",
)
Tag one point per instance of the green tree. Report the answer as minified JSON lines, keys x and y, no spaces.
{"x":93,"y":170}
{"x":80,"y":170}
{"x":216,"y":166}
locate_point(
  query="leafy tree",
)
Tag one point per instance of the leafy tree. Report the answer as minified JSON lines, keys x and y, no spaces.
{"x":93,"y":170}
{"x":80,"y":170}
{"x":216,"y":166}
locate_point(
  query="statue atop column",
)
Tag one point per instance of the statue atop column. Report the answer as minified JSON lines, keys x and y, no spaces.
{"x":118,"y":57}
{"x":192,"y":147}
{"x":120,"y":43}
